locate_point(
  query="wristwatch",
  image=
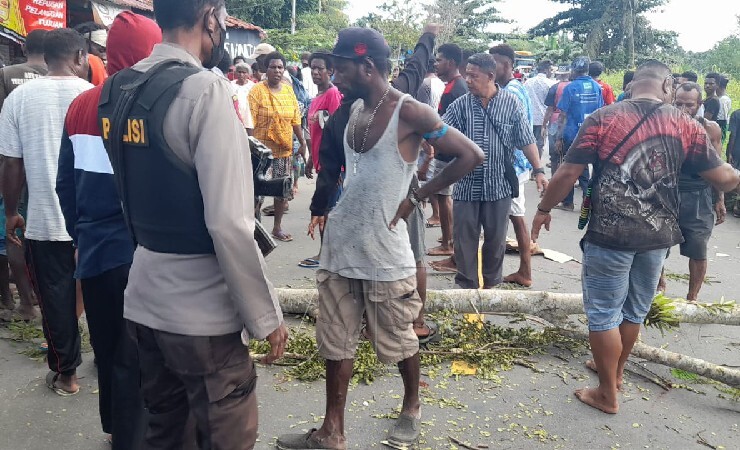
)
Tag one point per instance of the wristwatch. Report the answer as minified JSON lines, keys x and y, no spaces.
{"x":538,"y":171}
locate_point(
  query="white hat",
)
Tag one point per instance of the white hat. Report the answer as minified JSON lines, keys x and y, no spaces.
{"x":262,"y":49}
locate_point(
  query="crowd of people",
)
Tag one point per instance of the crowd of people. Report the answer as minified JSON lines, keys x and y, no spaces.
{"x":127,"y":192}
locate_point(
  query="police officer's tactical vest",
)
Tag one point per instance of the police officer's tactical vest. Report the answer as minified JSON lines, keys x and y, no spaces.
{"x":161,"y":198}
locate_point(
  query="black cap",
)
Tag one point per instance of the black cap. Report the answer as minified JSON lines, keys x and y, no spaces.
{"x":353,"y":43}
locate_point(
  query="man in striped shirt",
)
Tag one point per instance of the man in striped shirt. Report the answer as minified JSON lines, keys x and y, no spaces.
{"x":504,"y":56}
{"x":496,"y":121}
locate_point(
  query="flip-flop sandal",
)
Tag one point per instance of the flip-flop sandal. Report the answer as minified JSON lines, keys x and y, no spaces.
{"x":304,"y":441}
{"x":43,"y":347}
{"x":283,"y":237}
{"x":406,"y":431}
{"x":309,"y":263}
{"x":51,"y":380}
{"x":433,"y":225}
{"x":433,"y":335}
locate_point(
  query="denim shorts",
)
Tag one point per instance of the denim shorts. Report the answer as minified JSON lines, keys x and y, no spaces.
{"x":619,"y":285}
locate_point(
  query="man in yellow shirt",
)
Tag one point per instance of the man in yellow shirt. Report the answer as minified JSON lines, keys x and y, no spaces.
{"x":277,"y":118}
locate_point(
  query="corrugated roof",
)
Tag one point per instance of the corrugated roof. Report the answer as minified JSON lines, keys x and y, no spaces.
{"x":231,"y":22}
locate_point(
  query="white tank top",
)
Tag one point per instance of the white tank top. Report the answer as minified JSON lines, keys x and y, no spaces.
{"x":357,"y":241}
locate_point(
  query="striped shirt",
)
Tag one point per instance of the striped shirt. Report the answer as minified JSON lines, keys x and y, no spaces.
{"x":487,"y":182}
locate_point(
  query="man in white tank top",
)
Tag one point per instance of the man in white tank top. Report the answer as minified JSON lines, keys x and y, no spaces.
{"x":367,"y":265}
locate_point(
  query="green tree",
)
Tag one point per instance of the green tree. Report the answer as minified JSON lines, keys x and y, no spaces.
{"x":314,"y":31}
{"x":273,"y":14}
{"x":398,"y":22}
{"x":613,"y":28}
{"x":263,"y":13}
{"x":465,"y":22}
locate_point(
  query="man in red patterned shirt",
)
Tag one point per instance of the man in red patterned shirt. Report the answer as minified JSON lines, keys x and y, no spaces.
{"x":638,"y":147}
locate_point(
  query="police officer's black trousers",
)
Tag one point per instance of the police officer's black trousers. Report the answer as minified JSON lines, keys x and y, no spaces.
{"x":121,"y":405}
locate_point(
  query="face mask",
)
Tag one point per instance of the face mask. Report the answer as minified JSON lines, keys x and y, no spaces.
{"x":217,"y":51}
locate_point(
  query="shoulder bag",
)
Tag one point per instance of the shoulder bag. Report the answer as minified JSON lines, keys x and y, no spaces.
{"x":598,"y":168}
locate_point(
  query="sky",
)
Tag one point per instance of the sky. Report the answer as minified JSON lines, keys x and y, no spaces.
{"x":695,"y":34}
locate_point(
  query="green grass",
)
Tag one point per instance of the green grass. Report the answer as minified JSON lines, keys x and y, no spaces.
{"x":683,"y":375}
{"x":615,"y":80}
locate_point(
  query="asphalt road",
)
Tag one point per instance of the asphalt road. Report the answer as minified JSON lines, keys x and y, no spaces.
{"x":526,"y":410}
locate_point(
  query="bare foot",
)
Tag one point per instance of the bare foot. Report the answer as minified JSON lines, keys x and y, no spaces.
{"x":594,"y":398}
{"x":592,"y":365}
{"x":27,"y":312}
{"x":329,"y":440}
{"x":445,"y":265}
{"x":518,"y":278}
{"x":441,"y":250}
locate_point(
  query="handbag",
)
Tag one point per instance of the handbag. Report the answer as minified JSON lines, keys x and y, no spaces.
{"x":585,"y":215}
{"x":509,"y":170}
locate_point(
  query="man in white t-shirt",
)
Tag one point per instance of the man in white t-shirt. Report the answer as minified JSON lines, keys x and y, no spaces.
{"x":538,"y":87}
{"x":306,"y":78}
{"x":31,"y":128}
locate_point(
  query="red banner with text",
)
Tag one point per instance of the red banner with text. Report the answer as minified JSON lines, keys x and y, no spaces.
{"x":20,"y":17}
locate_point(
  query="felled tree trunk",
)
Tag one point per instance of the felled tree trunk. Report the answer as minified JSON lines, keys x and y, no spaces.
{"x":726,"y":375}
{"x":553,"y":307}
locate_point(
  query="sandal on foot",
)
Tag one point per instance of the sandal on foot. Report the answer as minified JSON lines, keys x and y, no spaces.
{"x":433,"y":335}
{"x":282,"y":237}
{"x":304,"y":441}
{"x":51,"y":383}
{"x":433,"y":225}
{"x":406,"y":430}
{"x":565,"y":207}
{"x":309,"y":263}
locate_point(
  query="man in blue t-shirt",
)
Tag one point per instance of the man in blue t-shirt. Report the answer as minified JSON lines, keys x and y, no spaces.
{"x":580,"y":98}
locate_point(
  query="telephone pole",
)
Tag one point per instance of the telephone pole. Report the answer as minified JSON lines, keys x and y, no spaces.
{"x":292,"y":20}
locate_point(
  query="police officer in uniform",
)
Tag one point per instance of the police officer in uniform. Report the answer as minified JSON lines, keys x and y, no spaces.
{"x":198,"y":278}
